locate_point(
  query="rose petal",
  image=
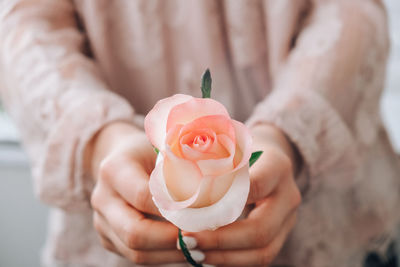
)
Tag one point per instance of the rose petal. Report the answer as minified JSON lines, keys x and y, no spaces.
{"x":182,"y":176}
{"x":217,"y":123}
{"x":223,"y":212}
{"x":216,"y":167}
{"x":243,"y":145}
{"x":218,"y":149}
{"x":172,"y":140}
{"x":193,"y":109}
{"x":213,"y":189}
{"x":155,"y":123}
{"x":160,"y":192}
{"x":193,"y":153}
{"x":199,"y":139}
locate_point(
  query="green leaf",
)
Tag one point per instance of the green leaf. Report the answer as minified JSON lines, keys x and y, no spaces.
{"x":186,"y":252}
{"x":156,"y":150}
{"x":254,"y":157}
{"x":206,"y":84}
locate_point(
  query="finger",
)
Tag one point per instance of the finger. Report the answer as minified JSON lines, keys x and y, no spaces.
{"x":103,"y":231}
{"x":131,"y":182}
{"x":261,"y":226}
{"x":265,"y":177}
{"x":107,"y":244}
{"x":253,"y":257}
{"x":114,"y":244}
{"x":149,"y":256}
{"x":135,"y":230}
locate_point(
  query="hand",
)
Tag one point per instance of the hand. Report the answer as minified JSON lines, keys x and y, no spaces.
{"x":256,"y":240}
{"x":122,"y":160}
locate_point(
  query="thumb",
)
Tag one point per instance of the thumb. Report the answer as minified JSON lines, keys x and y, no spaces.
{"x":131,"y":181}
{"x":265,"y":175}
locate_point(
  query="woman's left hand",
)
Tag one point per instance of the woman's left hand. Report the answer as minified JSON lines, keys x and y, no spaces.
{"x":274,"y":195}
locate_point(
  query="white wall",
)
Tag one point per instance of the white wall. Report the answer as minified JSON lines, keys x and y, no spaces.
{"x":391,"y":99}
{"x":22,"y":217}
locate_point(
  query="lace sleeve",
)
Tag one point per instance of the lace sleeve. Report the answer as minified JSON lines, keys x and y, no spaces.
{"x":55,"y":94}
{"x":326,"y":92}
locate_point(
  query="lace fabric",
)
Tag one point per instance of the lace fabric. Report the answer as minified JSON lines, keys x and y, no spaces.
{"x":313,"y":68}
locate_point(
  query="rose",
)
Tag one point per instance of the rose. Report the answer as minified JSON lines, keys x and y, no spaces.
{"x":201,"y":178}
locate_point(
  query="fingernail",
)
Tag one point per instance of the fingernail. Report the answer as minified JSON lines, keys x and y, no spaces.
{"x":190,"y":242}
{"x":197,"y":255}
{"x":208,"y":265}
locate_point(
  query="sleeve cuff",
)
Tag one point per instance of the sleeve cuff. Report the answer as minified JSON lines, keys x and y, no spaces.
{"x":61,"y":177}
{"x":321,"y":136}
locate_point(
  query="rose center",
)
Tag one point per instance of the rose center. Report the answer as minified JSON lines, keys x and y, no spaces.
{"x":197,"y":141}
{"x":200,"y":140}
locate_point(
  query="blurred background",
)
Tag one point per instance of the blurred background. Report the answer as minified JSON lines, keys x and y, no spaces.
{"x":23,"y":219}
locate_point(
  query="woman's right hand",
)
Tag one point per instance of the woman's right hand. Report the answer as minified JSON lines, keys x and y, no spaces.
{"x":122,"y":159}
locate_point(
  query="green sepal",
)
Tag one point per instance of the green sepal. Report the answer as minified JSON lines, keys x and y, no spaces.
{"x":206,"y":84}
{"x":254,"y":157}
{"x":156,"y":150}
{"x":186,"y":252}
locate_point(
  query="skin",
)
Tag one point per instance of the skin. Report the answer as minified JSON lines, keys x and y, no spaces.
{"x":123,"y":212}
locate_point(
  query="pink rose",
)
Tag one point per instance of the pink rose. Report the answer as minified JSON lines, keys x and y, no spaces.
{"x":201,"y":178}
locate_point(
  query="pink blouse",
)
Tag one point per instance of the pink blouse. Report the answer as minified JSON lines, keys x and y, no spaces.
{"x":314,"y":68}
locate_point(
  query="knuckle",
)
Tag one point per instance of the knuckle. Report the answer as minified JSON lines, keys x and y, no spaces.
{"x":261,"y":237}
{"x":108,"y":167}
{"x":218,"y":240}
{"x":141,"y":198}
{"x":257,"y":233}
{"x":293,"y":221}
{"x":223,"y":257}
{"x":96,"y":224}
{"x":258,"y":223}
{"x":256,"y":188}
{"x":95,"y":198}
{"x":106,"y":244}
{"x":254,"y":233}
{"x":265,"y":258}
{"x":260,"y":240}
{"x":132,"y":238}
{"x":296,"y":197}
{"x":287,"y":165}
{"x":138,"y":257}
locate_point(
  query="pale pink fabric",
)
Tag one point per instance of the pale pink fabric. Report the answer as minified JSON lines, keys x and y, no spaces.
{"x":315,"y":68}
